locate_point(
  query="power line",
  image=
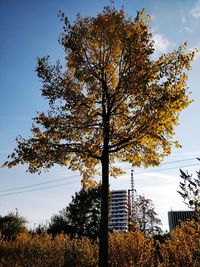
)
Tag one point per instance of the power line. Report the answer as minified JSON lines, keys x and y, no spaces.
{"x":171,"y":168}
{"x":33,"y":185}
{"x":37,"y":189}
{"x":175,"y":161}
{"x":171,"y":162}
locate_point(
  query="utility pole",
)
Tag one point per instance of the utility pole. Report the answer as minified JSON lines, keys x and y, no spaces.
{"x":132,"y":195}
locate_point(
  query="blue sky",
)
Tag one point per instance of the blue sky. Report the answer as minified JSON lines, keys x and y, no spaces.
{"x":30,"y":29}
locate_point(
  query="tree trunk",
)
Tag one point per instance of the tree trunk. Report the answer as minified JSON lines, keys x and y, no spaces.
{"x":103,"y":233}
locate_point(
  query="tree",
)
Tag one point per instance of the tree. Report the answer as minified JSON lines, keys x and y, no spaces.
{"x":11,"y":225}
{"x":82,"y":216}
{"x":145,"y":216}
{"x":111,"y":101}
{"x":59,"y":224}
{"x":190,"y":191}
{"x":40,"y":229}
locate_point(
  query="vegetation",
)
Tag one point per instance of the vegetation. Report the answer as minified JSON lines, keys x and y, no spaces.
{"x":190,"y":191}
{"x":11,"y":225}
{"x":127,"y":250}
{"x":81,"y":216}
{"x":183,"y":248}
{"x":145,"y":216}
{"x":111,"y":101}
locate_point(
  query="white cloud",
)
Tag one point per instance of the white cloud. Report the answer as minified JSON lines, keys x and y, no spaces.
{"x":195,"y":11}
{"x":188,"y":29}
{"x":161,"y":44}
{"x":157,"y":175}
{"x":183,"y":19}
{"x":186,"y":22}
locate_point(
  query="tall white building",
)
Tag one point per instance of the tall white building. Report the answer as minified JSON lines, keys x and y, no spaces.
{"x":119,"y":210}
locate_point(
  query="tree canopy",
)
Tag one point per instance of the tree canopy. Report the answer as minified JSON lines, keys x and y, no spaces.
{"x":145,"y":216}
{"x":111,"y":100}
{"x":109,"y":80}
{"x":11,"y":225}
{"x":81,"y":216}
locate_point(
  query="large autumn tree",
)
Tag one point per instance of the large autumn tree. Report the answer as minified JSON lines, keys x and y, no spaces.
{"x":111,"y":100}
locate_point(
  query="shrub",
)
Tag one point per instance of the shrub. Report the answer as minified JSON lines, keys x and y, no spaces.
{"x":183,"y":248}
{"x":45,"y":251}
{"x":130,"y":249}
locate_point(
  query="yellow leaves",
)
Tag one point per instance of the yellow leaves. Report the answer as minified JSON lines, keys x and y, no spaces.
{"x":125,"y":249}
{"x":177,"y":145}
{"x":110,"y":78}
{"x":149,"y":19}
{"x":88,"y":183}
{"x":116,"y":171}
{"x":183,"y":247}
{"x":130,"y":249}
{"x":43,"y":250}
{"x":88,"y":178}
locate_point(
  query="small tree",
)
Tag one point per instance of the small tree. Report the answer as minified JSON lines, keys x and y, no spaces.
{"x":60,"y":224}
{"x":145,"y":216}
{"x":81,"y":216}
{"x":11,"y":225}
{"x":190,"y":191}
{"x":111,"y":101}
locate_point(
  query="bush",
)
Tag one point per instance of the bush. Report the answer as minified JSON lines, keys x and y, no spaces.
{"x":36,"y":251}
{"x":45,"y":251}
{"x":130,"y":249}
{"x":183,"y":248}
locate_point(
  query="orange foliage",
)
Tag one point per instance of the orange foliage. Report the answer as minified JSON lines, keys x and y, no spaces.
{"x":125,"y":250}
{"x":129,"y":250}
{"x":183,"y":248}
{"x":45,"y":251}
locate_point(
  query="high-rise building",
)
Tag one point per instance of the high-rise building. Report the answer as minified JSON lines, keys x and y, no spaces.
{"x":119,"y":210}
{"x":176,"y":217}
